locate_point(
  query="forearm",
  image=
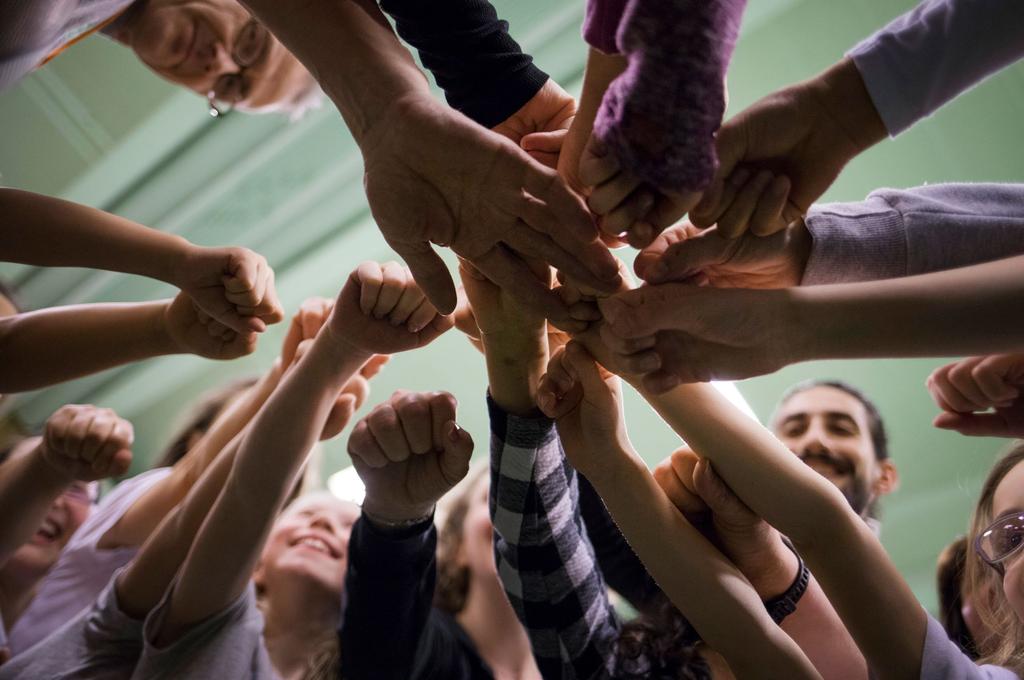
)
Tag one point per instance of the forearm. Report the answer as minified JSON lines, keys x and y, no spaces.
{"x":53,"y":345}
{"x":48,"y":232}
{"x":270,"y":456}
{"x":28,"y":487}
{"x":965,"y":311}
{"x":350,"y":49}
{"x":895,"y":232}
{"x":601,"y":70}
{"x":707,"y":588}
{"x":515,"y":364}
{"x":840,"y":550}
{"x":143,"y":517}
{"x":819,"y":631}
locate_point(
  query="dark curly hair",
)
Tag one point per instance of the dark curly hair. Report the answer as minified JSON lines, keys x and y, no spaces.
{"x":661,"y":645}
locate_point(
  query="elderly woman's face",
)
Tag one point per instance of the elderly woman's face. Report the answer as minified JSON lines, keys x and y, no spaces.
{"x":195,"y":43}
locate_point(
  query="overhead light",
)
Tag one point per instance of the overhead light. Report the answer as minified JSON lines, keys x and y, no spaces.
{"x":346,"y":485}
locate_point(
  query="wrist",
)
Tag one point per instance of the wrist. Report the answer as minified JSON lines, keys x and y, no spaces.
{"x":393,"y":517}
{"x":514,"y":376}
{"x":799,"y":243}
{"x":173,"y":264}
{"x":55,"y":477}
{"x":339,"y":347}
{"x":766,"y":561}
{"x":846,"y":98}
{"x":798,"y":331}
{"x":159,"y":337}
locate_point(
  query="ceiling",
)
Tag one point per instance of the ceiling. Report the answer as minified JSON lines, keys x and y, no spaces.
{"x":98,"y":128}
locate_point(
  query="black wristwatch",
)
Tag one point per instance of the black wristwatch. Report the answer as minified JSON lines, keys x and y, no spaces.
{"x":785,"y":604}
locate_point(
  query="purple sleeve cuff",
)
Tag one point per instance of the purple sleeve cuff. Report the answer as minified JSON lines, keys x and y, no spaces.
{"x":659,"y":117}
{"x":601,"y":23}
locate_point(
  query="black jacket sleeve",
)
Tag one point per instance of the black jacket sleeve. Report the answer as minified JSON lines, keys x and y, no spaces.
{"x":482,"y":70}
{"x":389,"y":628}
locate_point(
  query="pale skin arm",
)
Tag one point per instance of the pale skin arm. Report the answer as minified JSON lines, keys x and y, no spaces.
{"x":234,"y":285}
{"x":847,"y":559}
{"x":709,"y":589}
{"x":222,"y":557}
{"x":143,"y":517}
{"x":53,"y":345}
{"x":80,"y":442}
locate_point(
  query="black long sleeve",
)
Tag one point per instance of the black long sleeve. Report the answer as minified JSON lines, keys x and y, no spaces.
{"x":482,"y":70}
{"x":389,"y":627}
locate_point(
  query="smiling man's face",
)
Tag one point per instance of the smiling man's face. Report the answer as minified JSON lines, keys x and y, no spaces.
{"x":830,"y":430}
{"x":194,"y":43}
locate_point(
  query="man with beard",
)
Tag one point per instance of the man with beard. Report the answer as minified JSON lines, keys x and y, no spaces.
{"x":837,"y":431}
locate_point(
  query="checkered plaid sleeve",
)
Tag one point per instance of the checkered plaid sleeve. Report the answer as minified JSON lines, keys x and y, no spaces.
{"x":544,"y":558}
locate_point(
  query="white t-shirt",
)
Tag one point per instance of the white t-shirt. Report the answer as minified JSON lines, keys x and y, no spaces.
{"x":83,"y":570}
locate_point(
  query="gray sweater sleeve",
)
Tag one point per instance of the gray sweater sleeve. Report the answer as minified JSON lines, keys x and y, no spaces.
{"x":931,"y":54}
{"x":914,"y":231}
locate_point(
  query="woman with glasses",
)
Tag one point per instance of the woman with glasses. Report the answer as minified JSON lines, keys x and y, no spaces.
{"x":47,"y":488}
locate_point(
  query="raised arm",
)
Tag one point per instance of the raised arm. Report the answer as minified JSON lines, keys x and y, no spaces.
{"x":840,"y":549}
{"x":221,"y":559}
{"x":233,"y":285}
{"x":706,"y":587}
{"x":53,"y":345}
{"x":79,"y":443}
{"x":676,"y":333}
{"x":489,"y":194}
{"x":409,"y":452}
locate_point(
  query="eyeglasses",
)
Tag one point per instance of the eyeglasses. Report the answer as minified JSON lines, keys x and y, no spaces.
{"x":231,"y":88}
{"x":1003,"y":538}
{"x":82,"y":492}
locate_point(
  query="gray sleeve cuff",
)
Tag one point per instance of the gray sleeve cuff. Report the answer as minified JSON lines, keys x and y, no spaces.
{"x":855,"y":242}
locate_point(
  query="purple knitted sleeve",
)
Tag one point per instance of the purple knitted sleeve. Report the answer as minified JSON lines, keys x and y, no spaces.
{"x":659,"y":117}
{"x":602,"y":22}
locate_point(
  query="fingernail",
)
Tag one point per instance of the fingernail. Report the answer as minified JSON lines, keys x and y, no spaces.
{"x":454,"y":432}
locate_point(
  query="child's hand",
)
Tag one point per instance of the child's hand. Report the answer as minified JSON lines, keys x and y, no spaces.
{"x":193,"y":331}
{"x":352,"y":397}
{"x":409,"y":452}
{"x":980,"y":396}
{"x":586,"y":403}
{"x":235,"y":286}
{"x":86,"y":443}
{"x":381,"y":310}
{"x":305,"y":324}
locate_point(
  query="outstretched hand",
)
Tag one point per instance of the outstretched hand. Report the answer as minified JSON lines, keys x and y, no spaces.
{"x":778,"y":156}
{"x":86,"y":443}
{"x":981,"y":396}
{"x":409,"y":451}
{"x":490,"y":202}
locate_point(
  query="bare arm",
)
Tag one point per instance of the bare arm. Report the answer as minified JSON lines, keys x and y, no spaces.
{"x":145,"y":514}
{"x":849,"y":562}
{"x":80,"y":442}
{"x":233,"y":285}
{"x":224,"y":552}
{"x":710,"y":591}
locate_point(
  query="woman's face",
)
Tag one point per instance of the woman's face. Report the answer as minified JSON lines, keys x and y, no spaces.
{"x":477,"y":550}
{"x":1009,"y":497}
{"x":67,"y":512}
{"x":309,"y":541}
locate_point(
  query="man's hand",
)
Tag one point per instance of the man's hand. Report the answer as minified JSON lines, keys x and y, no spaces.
{"x":409,"y":452}
{"x":981,"y":396}
{"x":86,"y":443}
{"x":779,"y":156}
{"x":677,"y":333}
{"x":381,"y":310}
{"x":687,"y":253}
{"x":193,"y":331}
{"x":235,"y":286}
{"x":433,"y":176}
{"x":586,"y":402}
